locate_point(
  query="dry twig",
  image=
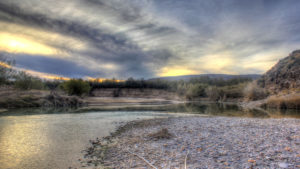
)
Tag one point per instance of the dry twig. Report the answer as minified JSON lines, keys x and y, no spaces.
{"x":186,"y":159}
{"x":143,"y":159}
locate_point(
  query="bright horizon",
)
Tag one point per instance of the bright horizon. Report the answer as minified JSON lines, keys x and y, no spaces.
{"x":147,"y":38}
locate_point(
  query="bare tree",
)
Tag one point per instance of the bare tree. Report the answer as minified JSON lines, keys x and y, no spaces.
{"x":6,"y":71}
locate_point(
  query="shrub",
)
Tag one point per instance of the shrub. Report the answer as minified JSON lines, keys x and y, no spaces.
{"x":161,"y":134}
{"x":195,"y":90}
{"x":76,"y":87}
{"x":233,"y":91}
{"x":26,"y":82}
{"x":253,"y":92}
{"x":213,"y":93}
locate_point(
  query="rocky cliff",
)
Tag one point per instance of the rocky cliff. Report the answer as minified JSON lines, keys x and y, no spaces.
{"x":284,"y":76}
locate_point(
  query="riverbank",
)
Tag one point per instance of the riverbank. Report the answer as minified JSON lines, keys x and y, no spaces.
{"x":201,"y":142}
{"x":11,"y":98}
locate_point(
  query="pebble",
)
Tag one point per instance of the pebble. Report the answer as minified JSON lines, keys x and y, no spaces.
{"x":283,"y":165}
{"x":210,"y":142}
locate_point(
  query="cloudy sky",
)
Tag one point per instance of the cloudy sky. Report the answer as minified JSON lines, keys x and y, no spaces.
{"x":147,"y":38}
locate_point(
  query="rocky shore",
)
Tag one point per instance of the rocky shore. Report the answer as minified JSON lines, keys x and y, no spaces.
{"x":200,"y":142}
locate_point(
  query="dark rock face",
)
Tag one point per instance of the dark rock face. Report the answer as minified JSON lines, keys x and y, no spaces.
{"x":284,"y":76}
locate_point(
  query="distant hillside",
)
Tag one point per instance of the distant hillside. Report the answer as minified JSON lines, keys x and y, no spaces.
{"x":285,"y":75}
{"x":213,"y":76}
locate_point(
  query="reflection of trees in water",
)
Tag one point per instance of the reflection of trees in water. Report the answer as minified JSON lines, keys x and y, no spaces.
{"x":283,"y":113}
{"x":212,"y":108}
{"x":215,"y":109}
{"x":229,"y":109}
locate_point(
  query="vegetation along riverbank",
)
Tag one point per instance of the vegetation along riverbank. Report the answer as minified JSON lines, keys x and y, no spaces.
{"x":277,"y":88}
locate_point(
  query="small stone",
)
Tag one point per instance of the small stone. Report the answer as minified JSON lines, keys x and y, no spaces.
{"x":287,"y":149}
{"x":289,"y":138}
{"x":251,"y":161}
{"x":199,"y":149}
{"x":283,"y":165}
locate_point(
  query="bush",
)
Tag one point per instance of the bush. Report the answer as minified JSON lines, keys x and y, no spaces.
{"x":213,"y":93}
{"x":76,"y":87}
{"x":26,"y":82}
{"x":254,"y":92}
{"x":195,"y":90}
{"x":232,"y":92}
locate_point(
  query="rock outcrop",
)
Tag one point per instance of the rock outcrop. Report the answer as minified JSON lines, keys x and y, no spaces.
{"x":284,"y":76}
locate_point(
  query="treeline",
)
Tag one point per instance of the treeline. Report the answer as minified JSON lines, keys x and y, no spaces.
{"x":165,"y":84}
{"x":129,"y":83}
{"x":214,"y":89}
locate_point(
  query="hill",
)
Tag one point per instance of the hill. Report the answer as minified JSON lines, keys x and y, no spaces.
{"x":284,"y":76}
{"x":212,"y":76}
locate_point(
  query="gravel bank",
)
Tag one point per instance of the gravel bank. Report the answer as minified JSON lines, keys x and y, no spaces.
{"x":201,"y":142}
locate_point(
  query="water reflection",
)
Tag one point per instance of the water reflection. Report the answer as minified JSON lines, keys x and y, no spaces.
{"x":16,"y":146}
{"x":54,"y":138}
{"x":207,"y":108}
{"x":227,"y":109}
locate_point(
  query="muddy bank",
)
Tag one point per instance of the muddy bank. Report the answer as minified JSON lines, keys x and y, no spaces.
{"x":201,"y":142}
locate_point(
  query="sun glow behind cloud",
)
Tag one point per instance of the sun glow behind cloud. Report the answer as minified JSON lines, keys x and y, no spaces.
{"x":176,"y":71}
{"x":2,"y":64}
{"x":45,"y":76}
{"x":20,"y":44}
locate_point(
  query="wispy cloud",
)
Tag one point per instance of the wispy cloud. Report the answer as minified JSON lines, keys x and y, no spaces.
{"x":146,"y":38}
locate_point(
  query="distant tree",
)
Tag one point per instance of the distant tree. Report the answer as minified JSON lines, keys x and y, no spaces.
{"x":6,"y":71}
{"x":76,"y":87}
{"x":26,"y":82}
{"x":52,"y":85}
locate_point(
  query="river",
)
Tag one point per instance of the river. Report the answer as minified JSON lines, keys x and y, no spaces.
{"x":55,"y":139}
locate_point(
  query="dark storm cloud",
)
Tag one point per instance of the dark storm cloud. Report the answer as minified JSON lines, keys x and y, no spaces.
{"x":53,"y":66}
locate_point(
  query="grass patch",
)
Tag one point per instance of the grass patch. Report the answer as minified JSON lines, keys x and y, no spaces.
{"x":284,"y":102}
{"x":161,"y":134}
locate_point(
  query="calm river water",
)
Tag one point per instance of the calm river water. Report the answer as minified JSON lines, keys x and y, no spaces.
{"x":53,"y":139}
